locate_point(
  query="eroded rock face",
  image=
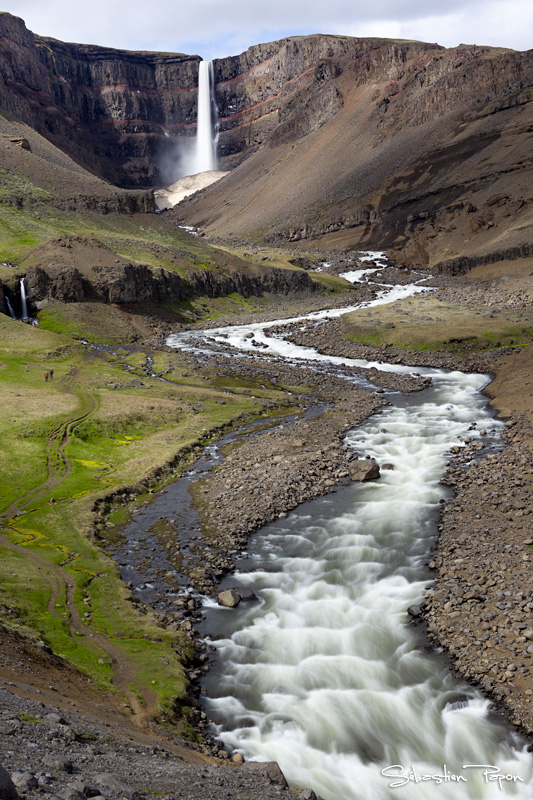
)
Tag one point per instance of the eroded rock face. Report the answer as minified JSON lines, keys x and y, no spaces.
{"x":75,"y":269}
{"x":124,"y":115}
{"x":111,"y":109}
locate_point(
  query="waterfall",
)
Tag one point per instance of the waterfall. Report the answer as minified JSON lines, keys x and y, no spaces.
{"x":23,"y":303}
{"x":10,"y":308}
{"x":205,"y":156}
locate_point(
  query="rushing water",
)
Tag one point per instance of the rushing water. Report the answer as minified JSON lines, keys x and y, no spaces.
{"x":205,"y":156}
{"x":23,"y":302}
{"x":324,"y":675}
{"x":10,"y":308}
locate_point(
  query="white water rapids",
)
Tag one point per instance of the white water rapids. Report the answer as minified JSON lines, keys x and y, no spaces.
{"x":324,"y":675}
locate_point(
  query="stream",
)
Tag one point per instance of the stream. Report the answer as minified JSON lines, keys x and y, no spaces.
{"x":325,"y":675}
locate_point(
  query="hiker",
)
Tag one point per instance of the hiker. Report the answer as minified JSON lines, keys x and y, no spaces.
{"x":46,"y":376}
{"x":51,"y":374}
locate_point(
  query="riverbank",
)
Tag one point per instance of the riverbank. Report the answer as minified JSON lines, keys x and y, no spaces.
{"x":267,"y":475}
{"x":481,"y":607}
{"x":60,"y":738}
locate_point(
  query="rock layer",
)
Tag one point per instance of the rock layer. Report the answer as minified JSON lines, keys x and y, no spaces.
{"x":78,"y":269}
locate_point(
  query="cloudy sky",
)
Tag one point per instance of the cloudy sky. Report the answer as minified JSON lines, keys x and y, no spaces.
{"x":214,"y":28}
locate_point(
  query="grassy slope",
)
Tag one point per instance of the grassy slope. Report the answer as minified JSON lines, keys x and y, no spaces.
{"x":123,"y":425}
{"x":425,"y":323}
{"x":92,"y":430}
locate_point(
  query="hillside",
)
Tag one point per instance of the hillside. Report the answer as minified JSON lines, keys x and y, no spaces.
{"x":333,"y":140}
{"x":331,"y":144}
{"x":420,"y":149}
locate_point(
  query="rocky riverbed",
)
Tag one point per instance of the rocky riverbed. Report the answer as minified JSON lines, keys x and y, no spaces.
{"x":60,"y":749}
{"x":480,"y":609}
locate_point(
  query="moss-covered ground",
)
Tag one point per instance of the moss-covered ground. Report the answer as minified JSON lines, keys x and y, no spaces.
{"x":102,"y":423}
{"x":423,"y":322}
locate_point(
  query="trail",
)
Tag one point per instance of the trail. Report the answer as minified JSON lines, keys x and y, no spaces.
{"x":62,"y":584}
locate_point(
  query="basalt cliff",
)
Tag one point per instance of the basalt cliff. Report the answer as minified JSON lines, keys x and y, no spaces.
{"x":348,"y":142}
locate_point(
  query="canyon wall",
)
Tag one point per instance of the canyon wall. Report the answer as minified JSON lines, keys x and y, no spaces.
{"x":123,"y":115}
{"x":394,"y":142}
{"x":115,"y":112}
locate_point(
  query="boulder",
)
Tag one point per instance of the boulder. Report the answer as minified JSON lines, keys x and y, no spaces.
{"x":25,"y":781}
{"x":246,"y":595}
{"x":269,"y":769}
{"x":229,"y":598}
{"x":106,"y":780}
{"x":7,"y":787}
{"x":54,"y":719}
{"x":364,"y":469}
{"x":70,"y":793}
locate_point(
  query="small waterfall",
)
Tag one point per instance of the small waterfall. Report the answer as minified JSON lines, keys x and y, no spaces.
{"x":23,"y":303}
{"x":10,"y":308}
{"x":205,"y":157}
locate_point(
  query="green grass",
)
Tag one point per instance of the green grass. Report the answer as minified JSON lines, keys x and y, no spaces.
{"x":423,"y":323}
{"x":127,"y":433}
{"x":91,"y":321}
{"x":25,"y":717}
{"x":332,"y":283}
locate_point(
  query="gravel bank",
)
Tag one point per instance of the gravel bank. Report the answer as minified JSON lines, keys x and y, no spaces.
{"x":51,"y":750}
{"x":481,"y":607}
{"x":328,"y":338}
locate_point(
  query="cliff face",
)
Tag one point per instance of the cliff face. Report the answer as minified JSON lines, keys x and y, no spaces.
{"x":78,"y":269}
{"x":114,"y":111}
{"x":394,"y":142}
{"x":425,"y":150}
{"x":123,"y":115}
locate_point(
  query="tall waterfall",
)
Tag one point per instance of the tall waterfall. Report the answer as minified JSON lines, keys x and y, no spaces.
{"x":23,"y":300}
{"x":205,"y":156}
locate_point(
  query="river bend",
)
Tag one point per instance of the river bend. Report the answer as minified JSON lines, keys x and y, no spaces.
{"x":325,"y":675}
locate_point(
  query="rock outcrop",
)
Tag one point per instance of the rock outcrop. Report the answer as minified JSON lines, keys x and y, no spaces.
{"x":77,"y":269}
{"x":403,"y":145}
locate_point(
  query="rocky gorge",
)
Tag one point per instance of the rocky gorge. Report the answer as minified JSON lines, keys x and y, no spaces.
{"x":427,"y":153}
{"x":292,"y":465}
{"x":125,"y":117}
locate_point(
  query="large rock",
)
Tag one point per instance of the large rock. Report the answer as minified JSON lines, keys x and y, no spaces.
{"x":364,"y":469}
{"x":106,"y":780}
{"x":229,"y":598}
{"x":269,"y":769}
{"x":246,"y":595}
{"x":7,"y":787}
{"x":25,"y":781}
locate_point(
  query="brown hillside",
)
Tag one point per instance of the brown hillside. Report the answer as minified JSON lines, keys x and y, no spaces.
{"x":429,"y":151}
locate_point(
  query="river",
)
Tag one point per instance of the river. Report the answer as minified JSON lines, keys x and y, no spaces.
{"x":325,"y":675}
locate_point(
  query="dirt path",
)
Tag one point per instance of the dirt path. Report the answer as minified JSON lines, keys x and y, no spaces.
{"x":62,"y":583}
